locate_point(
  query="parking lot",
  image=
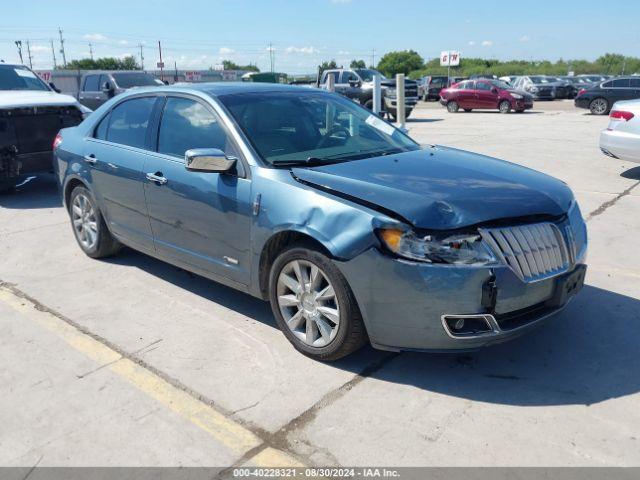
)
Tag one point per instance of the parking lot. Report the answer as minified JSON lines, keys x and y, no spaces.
{"x":130,"y":361}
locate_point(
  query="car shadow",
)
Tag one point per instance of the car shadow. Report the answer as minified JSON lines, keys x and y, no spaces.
{"x":632,"y":174}
{"x":424,"y":120}
{"x":33,"y":192}
{"x":586,"y":354}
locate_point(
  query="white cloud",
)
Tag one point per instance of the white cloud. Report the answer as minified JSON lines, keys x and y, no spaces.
{"x":95,"y":37}
{"x":304,"y":50}
{"x":40,"y":48}
{"x":487,"y":43}
{"x":226,"y":51}
{"x":343,"y":52}
{"x":472,"y":43}
{"x":524,"y":38}
{"x":123,"y":42}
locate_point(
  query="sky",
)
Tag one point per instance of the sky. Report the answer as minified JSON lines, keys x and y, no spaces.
{"x":197,"y":34}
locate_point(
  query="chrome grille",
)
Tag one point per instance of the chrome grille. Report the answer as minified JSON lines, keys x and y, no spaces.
{"x":534,"y":252}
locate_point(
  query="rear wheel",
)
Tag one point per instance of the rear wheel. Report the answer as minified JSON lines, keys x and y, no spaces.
{"x":89,"y":226}
{"x":452,"y":106}
{"x":369,"y":104}
{"x":314,"y":305}
{"x":599,"y":106}
{"x":504,"y":106}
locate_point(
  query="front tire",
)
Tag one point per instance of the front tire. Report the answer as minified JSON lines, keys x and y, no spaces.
{"x":452,"y":106}
{"x":599,"y":106}
{"x":504,"y":106}
{"x":89,"y":227}
{"x":314,"y":305}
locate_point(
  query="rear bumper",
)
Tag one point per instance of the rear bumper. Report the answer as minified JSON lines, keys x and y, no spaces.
{"x":621,"y":145}
{"x":582,"y":102}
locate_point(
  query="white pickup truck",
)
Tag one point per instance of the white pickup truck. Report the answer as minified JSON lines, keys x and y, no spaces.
{"x":31,"y":114}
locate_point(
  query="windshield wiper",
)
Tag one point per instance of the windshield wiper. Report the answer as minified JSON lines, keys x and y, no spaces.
{"x":308,"y":162}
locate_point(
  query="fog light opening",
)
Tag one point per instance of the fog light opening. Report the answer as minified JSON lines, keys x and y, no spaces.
{"x":467,"y":326}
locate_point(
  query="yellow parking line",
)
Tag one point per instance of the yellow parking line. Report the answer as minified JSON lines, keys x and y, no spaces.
{"x":230,"y":433}
{"x":271,"y":457}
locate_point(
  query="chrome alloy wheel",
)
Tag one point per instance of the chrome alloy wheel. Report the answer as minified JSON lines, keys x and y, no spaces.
{"x":85,"y":223}
{"x":599,"y":106}
{"x":308,"y":303}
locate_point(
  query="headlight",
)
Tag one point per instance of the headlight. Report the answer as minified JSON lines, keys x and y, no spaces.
{"x":517,"y":96}
{"x":391,"y":92}
{"x":533,"y":89}
{"x":461,"y":249}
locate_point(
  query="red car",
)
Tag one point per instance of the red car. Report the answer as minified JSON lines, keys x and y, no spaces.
{"x":485,"y":94}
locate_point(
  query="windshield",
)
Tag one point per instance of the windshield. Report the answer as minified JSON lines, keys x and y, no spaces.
{"x":312,"y":127}
{"x":13,"y":77}
{"x":367,"y":75}
{"x":500,"y":84}
{"x":128,"y":80}
{"x":541,"y":79}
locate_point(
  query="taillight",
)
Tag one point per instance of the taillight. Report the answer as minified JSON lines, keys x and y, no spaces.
{"x":621,"y":115}
{"x":582,"y":90}
{"x":57,"y":141}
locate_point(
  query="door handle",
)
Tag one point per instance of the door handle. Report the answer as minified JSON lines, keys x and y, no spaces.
{"x":157,"y":178}
{"x":90,"y":159}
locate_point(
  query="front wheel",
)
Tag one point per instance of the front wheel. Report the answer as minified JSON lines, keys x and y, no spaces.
{"x":452,"y":107}
{"x":314,"y":306}
{"x":504,"y":106}
{"x":89,"y":226}
{"x":599,"y":106}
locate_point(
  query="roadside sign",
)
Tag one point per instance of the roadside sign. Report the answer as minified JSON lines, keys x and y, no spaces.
{"x":46,"y":76}
{"x":449,"y":58}
{"x":192,"y":76}
{"x":160,"y":64}
{"x":229,"y":75}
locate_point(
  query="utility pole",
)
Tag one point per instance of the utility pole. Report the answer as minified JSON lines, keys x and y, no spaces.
{"x":271,"y":58}
{"x":29,"y":54}
{"x":64,"y":57}
{"x":53,"y":53}
{"x":91,"y":50}
{"x":19,"y":45}
{"x":141,"y":56}
{"x":160,"y":63}
{"x":373,"y":58}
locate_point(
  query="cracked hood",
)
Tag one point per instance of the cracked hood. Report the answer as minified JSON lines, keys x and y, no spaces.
{"x":442,"y":188}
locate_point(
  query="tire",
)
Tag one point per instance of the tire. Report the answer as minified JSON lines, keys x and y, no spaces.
{"x":89,"y":227}
{"x":393,"y":115}
{"x":452,"y":106}
{"x":369,"y":104}
{"x":599,"y":106}
{"x":8,"y":185}
{"x":468,"y":109}
{"x":504,"y":106}
{"x":309,"y":330}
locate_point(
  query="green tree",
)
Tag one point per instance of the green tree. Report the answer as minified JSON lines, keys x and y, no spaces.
{"x":105,"y":63}
{"x":358,"y":64}
{"x":330,"y":65}
{"x":400,"y":62}
{"x":231,"y":65}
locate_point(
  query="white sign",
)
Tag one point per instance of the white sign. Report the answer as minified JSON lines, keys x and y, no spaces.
{"x":46,"y":76}
{"x":192,"y":76}
{"x":229,"y":75}
{"x":160,"y":64}
{"x":449,"y":59}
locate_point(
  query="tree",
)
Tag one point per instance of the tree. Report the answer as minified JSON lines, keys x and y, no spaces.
{"x":105,"y":63}
{"x":400,"y":62}
{"x":327,"y":66}
{"x":231,"y":65}
{"x":358,"y":64}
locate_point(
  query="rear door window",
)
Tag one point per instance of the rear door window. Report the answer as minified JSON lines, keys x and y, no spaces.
{"x":634,"y":83}
{"x":620,"y":83}
{"x":129,"y":120}
{"x":483,"y":86}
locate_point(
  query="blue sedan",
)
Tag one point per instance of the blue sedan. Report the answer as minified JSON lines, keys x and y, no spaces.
{"x":353,"y":231}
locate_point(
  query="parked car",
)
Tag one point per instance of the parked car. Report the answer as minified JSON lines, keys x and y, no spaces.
{"x":98,"y":87}
{"x":542,"y":87}
{"x":31,"y":113}
{"x":352,"y":230}
{"x":595,"y":78}
{"x":599,"y":98}
{"x":485,"y":94}
{"x":357,"y":84}
{"x":430,"y":86}
{"x":565,"y":89}
{"x":621,"y":139}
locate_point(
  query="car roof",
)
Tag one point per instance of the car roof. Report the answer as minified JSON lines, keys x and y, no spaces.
{"x":125,"y":72}
{"x":215,"y":89}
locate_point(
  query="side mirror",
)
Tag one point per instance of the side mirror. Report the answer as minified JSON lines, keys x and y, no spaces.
{"x":354,"y":83}
{"x":108,"y":89}
{"x":54,"y":88}
{"x":208,"y":160}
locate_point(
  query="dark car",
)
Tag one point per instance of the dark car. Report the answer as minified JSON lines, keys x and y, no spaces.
{"x":600,"y":98}
{"x":485,"y":94}
{"x":98,"y":87}
{"x":430,"y":86}
{"x":542,"y":87}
